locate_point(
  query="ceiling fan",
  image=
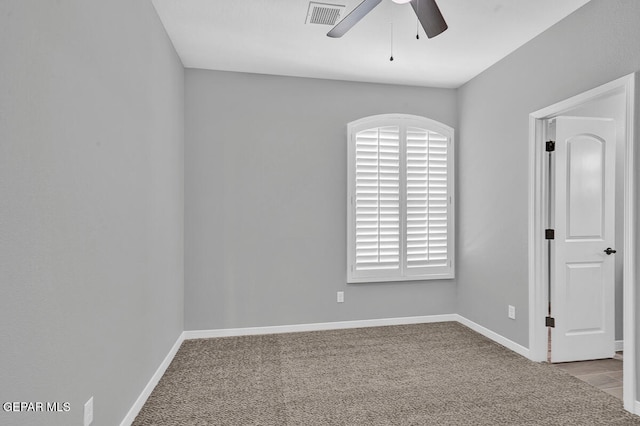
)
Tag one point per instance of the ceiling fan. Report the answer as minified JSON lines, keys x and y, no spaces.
{"x":427,"y":11}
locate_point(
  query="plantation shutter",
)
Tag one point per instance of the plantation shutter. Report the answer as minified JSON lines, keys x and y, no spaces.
{"x":377,"y":201}
{"x":427,"y":198}
{"x":400,"y":221}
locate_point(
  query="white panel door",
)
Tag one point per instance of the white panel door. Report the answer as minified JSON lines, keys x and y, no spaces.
{"x":582,"y":273}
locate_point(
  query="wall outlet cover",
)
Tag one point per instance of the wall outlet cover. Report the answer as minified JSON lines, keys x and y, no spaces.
{"x":88,"y":412}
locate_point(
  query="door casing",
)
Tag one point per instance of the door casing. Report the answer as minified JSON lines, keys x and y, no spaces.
{"x":538,"y":184}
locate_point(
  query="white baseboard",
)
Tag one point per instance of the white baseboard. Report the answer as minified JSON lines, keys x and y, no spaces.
{"x":619,"y":345}
{"x":636,"y":408}
{"x":509,"y":344}
{"x":137,"y":406}
{"x":251,"y":331}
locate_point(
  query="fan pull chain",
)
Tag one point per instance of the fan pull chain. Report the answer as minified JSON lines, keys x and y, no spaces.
{"x":391,"y":58}
{"x":417,"y":21}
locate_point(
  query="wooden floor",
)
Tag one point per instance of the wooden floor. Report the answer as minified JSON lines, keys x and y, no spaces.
{"x":605,"y":374}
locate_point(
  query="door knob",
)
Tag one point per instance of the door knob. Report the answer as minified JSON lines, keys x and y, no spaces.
{"x":609,"y":250}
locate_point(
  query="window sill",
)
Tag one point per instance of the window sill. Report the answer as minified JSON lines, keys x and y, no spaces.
{"x":364,"y":280}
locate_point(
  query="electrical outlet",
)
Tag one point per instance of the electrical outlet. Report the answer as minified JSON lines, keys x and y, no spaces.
{"x":340,"y":296}
{"x":88,"y":412}
{"x":512,"y":312}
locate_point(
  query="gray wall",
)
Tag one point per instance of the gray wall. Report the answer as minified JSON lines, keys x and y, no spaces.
{"x":596,"y":44}
{"x":91,"y":204}
{"x":265,"y":201}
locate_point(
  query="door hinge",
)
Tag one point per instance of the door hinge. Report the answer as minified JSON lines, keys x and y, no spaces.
{"x":550,"y":322}
{"x":550,"y":146}
{"x":549,"y":234}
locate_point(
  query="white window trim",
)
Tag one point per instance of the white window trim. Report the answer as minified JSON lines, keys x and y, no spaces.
{"x":404,"y":121}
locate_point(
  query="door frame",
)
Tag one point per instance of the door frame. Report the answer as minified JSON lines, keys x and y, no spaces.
{"x":538,"y":184}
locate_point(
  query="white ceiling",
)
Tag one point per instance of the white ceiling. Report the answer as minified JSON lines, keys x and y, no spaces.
{"x":271,"y":37}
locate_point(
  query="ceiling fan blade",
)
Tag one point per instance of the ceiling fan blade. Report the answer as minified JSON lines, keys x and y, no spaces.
{"x":429,"y":16}
{"x":352,"y":18}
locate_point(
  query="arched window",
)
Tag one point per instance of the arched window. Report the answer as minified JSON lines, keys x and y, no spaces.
{"x":400,"y":199}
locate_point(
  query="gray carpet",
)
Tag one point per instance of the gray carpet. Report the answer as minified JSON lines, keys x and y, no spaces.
{"x":425,"y":374}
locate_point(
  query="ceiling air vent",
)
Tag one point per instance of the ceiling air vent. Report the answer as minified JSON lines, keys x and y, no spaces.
{"x":323,"y":13}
